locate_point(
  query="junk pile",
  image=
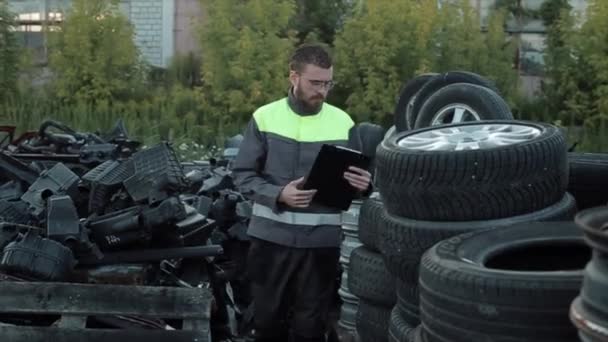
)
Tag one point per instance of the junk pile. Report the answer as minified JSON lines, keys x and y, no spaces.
{"x":100,"y":209}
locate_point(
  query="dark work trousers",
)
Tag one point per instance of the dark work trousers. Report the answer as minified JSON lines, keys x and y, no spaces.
{"x":292,"y":290}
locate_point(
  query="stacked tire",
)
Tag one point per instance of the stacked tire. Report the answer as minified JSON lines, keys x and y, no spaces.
{"x":363,"y":137}
{"x":369,"y":280}
{"x":446,"y":180}
{"x":507,"y":284}
{"x":456,"y":96}
{"x":589,"y":311}
{"x":350,"y":231}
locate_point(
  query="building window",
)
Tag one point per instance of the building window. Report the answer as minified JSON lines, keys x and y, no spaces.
{"x":34,"y":18}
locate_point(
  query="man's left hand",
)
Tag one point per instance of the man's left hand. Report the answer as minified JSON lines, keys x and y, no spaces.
{"x":358,"y":178}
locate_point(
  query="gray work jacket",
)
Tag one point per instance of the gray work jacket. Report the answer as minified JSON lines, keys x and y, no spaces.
{"x":279,"y":146}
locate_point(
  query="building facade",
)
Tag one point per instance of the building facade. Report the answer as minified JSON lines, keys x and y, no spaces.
{"x":162,"y":27}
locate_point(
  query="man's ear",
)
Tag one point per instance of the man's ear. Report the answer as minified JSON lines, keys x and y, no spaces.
{"x":293,"y":78}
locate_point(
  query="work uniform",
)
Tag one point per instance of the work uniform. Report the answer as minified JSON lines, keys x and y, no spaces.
{"x":294,"y":252}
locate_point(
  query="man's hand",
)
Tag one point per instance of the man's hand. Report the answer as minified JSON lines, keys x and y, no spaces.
{"x":358,"y":178}
{"x":294,"y":197}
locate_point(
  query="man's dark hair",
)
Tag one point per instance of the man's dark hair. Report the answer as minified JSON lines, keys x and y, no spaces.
{"x":309,"y":54}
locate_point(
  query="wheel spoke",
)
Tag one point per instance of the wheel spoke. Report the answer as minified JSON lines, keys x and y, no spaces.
{"x":454,"y":113}
{"x":458,"y":114}
{"x":472,"y":145}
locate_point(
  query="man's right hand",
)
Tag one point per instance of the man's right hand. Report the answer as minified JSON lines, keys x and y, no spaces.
{"x":294,"y":197}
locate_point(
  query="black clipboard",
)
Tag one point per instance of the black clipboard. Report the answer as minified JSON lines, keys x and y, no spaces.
{"x":327,"y":175}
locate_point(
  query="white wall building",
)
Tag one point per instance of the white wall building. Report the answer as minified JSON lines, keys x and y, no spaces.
{"x":162,"y":27}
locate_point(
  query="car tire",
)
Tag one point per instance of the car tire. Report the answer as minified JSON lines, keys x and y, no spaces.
{"x":462,"y":102}
{"x":509,"y":284}
{"x":443,"y":80}
{"x":404,"y":119}
{"x":472,"y":171}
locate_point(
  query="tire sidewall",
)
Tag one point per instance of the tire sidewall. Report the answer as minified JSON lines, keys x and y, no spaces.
{"x":446,"y":79}
{"x":474,"y":96}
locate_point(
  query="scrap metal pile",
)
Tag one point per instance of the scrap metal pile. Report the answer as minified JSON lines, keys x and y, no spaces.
{"x":98,"y":208}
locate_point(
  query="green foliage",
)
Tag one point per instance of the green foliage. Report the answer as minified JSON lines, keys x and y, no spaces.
{"x":497,"y":58}
{"x":561,"y":70}
{"x":9,"y":54}
{"x":459,"y":41}
{"x":518,"y":9}
{"x":245,"y":55}
{"x":391,"y":41}
{"x":378,"y":45}
{"x":460,"y":45}
{"x":318,"y":20}
{"x":592,"y":46}
{"x":577,"y":65}
{"x":374,"y":54}
{"x":185,"y":70}
{"x":173,"y":116}
{"x":550,"y":11}
{"x":94,"y":56}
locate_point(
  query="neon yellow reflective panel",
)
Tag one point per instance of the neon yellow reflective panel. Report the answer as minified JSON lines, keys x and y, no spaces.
{"x":330,"y":124}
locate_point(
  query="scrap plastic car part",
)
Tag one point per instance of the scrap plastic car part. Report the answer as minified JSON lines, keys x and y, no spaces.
{"x":34,"y":256}
{"x":59,"y":180}
{"x":158,"y":174}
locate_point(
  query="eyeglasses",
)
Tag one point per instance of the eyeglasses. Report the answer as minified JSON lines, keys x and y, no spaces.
{"x":318,"y":84}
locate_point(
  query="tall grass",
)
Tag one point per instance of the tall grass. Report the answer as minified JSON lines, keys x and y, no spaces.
{"x":175,"y":116}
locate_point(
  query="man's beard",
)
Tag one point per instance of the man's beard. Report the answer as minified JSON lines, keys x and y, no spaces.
{"x":312,"y":104}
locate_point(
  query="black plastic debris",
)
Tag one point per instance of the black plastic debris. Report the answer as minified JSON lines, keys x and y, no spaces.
{"x":14,"y":212}
{"x":63,"y":224}
{"x":105,"y":180}
{"x":33,"y":256}
{"x":57,"y":181}
{"x":11,"y":191}
{"x":72,"y":203}
{"x":158,"y":174}
{"x":14,"y":169}
{"x":99,"y":153}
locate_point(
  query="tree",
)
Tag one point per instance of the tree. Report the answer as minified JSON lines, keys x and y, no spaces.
{"x":562,"y":78}
{"x":577,"y":64}
{"x":245,"y":50}
{"x":318,"y":20}
{"x":9,"y":53}
{"x":94,"y":57}
{"x":497,"y":56}
{"x":458,"y":40}
{"x":389,"y":42}
{"x":551,"y":10}
{"x":459,"y":44}
{"x":376,"y":51}
{"x":590,"y":45}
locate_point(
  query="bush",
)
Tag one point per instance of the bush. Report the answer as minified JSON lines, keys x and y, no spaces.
{"x":93,"y":56}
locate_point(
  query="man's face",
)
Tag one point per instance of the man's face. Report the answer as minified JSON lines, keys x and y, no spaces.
{"x":312,"y":84}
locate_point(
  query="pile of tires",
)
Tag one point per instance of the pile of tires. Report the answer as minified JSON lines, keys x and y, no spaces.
{"x":358,"y":305}
{"x":452,"y":97}
{"x":369,"y":279}
{"x":442,"y":181}
{"x":589,"y":311}
{"x":350,"y":231}
{"x":507,"y":284}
